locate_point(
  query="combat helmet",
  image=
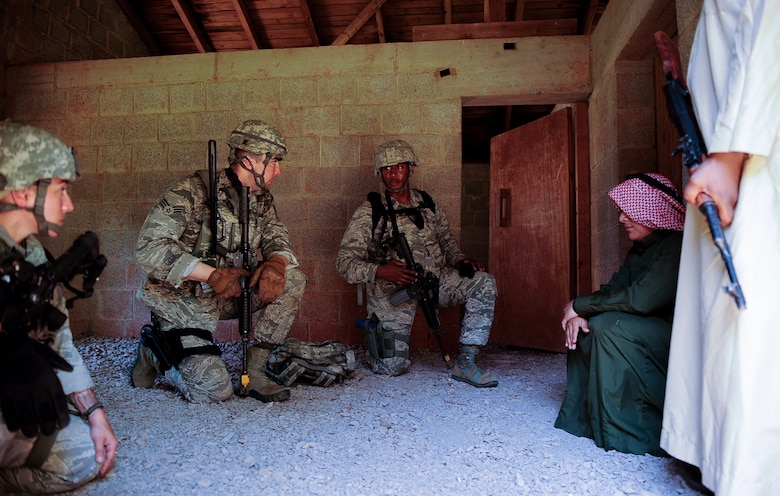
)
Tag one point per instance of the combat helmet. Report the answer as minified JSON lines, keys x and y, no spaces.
{"x":258,"y":137}
{"x":29,"y":155}
{"x":394,"y":152}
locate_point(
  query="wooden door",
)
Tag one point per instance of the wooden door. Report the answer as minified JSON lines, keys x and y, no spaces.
{"x":533,"y":248}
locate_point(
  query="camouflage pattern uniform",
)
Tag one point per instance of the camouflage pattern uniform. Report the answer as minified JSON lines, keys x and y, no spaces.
{"x":174,"y":237}
{"x":26,"y":154}
{"x":435,"y":248}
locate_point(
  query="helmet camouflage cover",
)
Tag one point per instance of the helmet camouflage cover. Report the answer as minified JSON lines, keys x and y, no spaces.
{"x":394,"y":152}
{"x":256,"y":137}
{"x":28,"y":154}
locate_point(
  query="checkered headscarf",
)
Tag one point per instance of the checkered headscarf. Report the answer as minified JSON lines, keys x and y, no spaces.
{"x":650,"y":199}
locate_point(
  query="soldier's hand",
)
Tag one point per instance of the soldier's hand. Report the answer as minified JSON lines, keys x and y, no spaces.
{"x":396,"y":272}
{"x":225,"y":283}
{"x":270,"y":278}
{"x":31,"y":396}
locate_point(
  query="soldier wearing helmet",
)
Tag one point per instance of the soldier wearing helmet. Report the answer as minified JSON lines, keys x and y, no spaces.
{"x":46,"y":449}
{"x":367,"y":255}
{"x":188,"y":290}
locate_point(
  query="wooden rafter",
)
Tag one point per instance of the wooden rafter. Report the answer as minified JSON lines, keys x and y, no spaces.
{"x":380,"y":26}
{"x":310,"y":28}
{"x":447,"y":11}
{"x":495,"y":10}
{"x":369,"y":10}
{"x":590,"y":15}
{"x":519,"y":10}
{"x":194,"y":28}
{"x":518,"y":29}
{"x":243,"y":18}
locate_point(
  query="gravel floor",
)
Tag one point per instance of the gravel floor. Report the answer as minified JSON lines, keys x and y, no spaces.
{"x":421,"y":433}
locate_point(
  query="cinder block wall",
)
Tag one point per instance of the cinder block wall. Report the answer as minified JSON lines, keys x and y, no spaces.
{"x":35,"y":31}
{"x":137,"y":123}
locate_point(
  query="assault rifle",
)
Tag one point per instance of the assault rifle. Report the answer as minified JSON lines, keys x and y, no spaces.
{"x":425,"y":289}
{"x":245,"y":301}
{"x":26,"y":290}
{"x":213,"y":214}
{"x":693,"y":149}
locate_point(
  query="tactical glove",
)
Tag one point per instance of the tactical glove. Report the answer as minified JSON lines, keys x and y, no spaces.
{"x":31,"y":395}
{"x":271,"y":277}
{"x":225,"y":283}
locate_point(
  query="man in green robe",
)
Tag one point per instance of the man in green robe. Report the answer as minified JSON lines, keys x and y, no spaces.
{"x":618,"y":337}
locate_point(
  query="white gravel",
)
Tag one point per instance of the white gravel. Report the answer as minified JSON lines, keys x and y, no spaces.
{"x":418,"y":434}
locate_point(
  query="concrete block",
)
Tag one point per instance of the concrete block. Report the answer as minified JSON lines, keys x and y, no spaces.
{"x":108,"y":130}
{"x":361,"y":119}
{"x":417,"y":88}
{"x":185,"y":156}
{"x":152,"y":100}
{"x":140,"y":128}
{"x":339,"y":151}
{"x":188,"y":98}
{"x":178,"y":127}
{"x":321,"y":121}
{"x":261,"y":93}
{"x":441,"y":117}
{"x":379,"y":88}
{"x":149,"y":157}
{"x":116,"y":101}
{"x":224,"y":95}
{"x":401,"y":119}
{"x":335,"y":90}
{"x":115,"y":158}
{"x":299,"y":92}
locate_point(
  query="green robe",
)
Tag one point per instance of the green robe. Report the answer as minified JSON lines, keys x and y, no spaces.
{"x":616,"y":376}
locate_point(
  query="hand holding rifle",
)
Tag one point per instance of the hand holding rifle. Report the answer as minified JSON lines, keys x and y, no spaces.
{"x":714,"y":181}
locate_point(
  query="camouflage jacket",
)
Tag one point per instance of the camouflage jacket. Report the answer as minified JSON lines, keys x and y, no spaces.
{"x":177,"y":234}
{"x":61,"y":340}
{"x":362,"y":251}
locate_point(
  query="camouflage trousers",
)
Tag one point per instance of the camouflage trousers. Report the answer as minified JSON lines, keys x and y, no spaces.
{"x":205,"y":378}
{"x":477,"y":293}
{"x":69,"y":464}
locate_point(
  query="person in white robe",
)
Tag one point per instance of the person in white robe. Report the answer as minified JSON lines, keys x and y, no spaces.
{"x":722,"y":406}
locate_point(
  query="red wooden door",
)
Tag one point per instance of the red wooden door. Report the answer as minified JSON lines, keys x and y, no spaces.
{"x":532,"y":230}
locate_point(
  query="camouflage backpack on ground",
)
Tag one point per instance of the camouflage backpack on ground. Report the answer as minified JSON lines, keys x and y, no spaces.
{"x":319,"y":364}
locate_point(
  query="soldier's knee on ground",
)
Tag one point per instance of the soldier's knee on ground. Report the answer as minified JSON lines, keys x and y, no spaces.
{"x":204,"y":379}
{"x":393,"y":366}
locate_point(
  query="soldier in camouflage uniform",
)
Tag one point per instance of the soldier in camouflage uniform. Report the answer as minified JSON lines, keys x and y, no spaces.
{"x":365,"y":257}
{"x":54,"y":434}
{"x":188,"y":293}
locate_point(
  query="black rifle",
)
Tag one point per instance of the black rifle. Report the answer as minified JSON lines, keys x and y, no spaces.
{"x":245,"y":301}
{"x":692,"y":147}
{"x":26,"y":290}
{"x":425,"y":289}
{"x":213,"y":199}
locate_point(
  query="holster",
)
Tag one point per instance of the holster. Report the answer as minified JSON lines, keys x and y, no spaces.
{"x":167,"y":346}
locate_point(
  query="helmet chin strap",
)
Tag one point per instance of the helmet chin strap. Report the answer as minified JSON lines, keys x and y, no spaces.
{"x":44,"y":226}
{"x":259,"y":178}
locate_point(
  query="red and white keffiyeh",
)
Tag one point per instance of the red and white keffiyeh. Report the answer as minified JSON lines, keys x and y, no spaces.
{"x":648,"y":205}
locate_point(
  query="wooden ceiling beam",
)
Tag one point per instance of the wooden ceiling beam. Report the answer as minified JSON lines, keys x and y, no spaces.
{"x":495,"y":10}
{"x":371,"y":8}
{"x":310,"y":28}
{"x":447,"y":11}
{"x":136,"y":20}
{"x":516,"y":29}
{"x":590,"y":15}
{"x":519,"y":10}
{"x":380,"y":26}
{"x":194,"y":28}
{"x":243,"y":18}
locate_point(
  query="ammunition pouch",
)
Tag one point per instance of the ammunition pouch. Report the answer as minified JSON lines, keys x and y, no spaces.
{"x":168,"y":348}
{"x":380,"y":342}
{"x":318,"y":364}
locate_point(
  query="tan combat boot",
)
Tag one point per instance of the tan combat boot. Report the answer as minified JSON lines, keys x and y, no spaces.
{"x":261,"y":387}
{"x":144,"y":371}
{"x":466,"y":370}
